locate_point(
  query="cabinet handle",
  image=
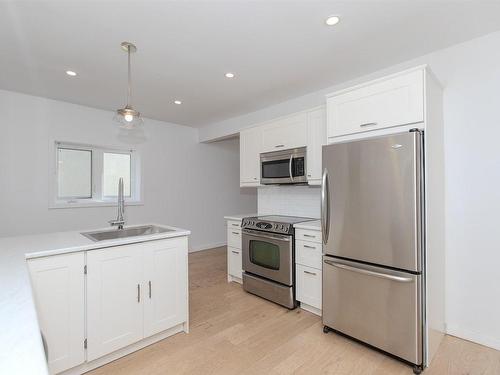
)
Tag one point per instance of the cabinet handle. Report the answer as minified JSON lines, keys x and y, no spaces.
{"x":138,"y":293}
{"x":308,"y":175}
{"x":310,"y":273}
{"x":278,"y":146}
{"x":235,"y":225}
{"x":235,"y":233}
{"x":368,"y":124}
{"x":235,"y":252}
{"x":309,"y":235}
{"x":149,"y":289}
{"x":310,"y":247}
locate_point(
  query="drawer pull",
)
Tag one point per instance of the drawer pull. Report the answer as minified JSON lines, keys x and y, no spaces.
{"x":368,"y":124}
{"x":236,"y":233}
{"x":309,"y":235}
{"x":235,"y":225}
{"x":310,"y":273}
{"x":310,"y":247}
{"x":278,"y":146}
{"x":235,"y":252}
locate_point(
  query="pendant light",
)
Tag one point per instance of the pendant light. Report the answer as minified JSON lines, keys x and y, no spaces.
{"x":128,"y":117}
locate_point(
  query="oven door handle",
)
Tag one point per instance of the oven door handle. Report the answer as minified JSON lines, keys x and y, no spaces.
{"x":290,"y":167}
{"x":270,"y":236}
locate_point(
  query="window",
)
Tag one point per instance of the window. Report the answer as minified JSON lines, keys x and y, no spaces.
{"x":88,"y":175}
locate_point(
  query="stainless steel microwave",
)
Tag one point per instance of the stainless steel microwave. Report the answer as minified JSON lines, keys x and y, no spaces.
{"x":283,"y":167}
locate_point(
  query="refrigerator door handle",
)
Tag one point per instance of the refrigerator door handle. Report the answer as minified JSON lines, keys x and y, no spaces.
{"x":369,"y":273}
{"x":325,"y":206}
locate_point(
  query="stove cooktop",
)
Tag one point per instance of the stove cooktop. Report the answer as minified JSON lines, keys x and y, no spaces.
{"x":273,"y":223}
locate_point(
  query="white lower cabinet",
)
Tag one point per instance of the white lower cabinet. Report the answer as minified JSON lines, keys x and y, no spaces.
{"x":234,"y":253}
{"x":59,"y":292}
{"x":308,"y":286}
{"x":234,"y":262}
{"x":165,"y":265}
{"x":114,"y":309}
{"x":308,"y":264}
{"x":132,"y":293}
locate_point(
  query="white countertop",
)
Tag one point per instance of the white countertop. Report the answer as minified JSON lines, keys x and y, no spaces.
{"x":239,"y":216}
{"x":21,"y":349}
{"x":311,"y":225}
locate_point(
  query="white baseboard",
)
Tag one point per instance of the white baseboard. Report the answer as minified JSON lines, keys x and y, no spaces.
{"x":194,"y":249}
{"x":477,"y":337}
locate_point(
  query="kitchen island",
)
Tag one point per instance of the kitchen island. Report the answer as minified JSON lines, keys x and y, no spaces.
{"x":21,"y":347}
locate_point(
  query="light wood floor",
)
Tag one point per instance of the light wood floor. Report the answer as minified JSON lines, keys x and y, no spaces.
{"x":233,"y":332}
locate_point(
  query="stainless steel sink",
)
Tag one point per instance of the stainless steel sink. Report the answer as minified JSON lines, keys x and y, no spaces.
{"x":113,"y":234}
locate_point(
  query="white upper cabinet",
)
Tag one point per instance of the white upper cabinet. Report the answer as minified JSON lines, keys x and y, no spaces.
{"x":250,"y":149}
{"x":286,"y":133}
{"x":384,"y":103}
{"x":316,"y":138}
{"x":59,"y":290}
{"x":114,"y":309}
{"x":165,"y":285}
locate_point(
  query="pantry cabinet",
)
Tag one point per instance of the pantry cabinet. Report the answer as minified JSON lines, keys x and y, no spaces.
{"x":59,"y":291}
{"x":250,"y":149}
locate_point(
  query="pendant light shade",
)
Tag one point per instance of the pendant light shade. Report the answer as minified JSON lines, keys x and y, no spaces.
{"x":128,"y":117}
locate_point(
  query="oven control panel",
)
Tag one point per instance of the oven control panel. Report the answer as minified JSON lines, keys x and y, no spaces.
{"x":267,"y":226}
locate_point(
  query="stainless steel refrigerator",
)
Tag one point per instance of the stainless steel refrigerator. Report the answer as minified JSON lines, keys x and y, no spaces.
{"x":373,"y":233}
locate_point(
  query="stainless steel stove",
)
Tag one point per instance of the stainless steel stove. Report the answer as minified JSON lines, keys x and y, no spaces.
{"x":269,"y":257}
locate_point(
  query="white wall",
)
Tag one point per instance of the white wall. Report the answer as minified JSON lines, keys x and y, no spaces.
{"x":470,"y":73}
{"x":185,"y":183}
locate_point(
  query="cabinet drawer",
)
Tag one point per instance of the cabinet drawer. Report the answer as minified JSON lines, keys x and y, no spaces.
{"x":234,"y":262}
{"x":385,"y":103}
{"x":234,"y":224}
{"x":308,"y":285}
{"x":308,"y":235}
{"x":308,"y":253}
{"x":234,"y":238}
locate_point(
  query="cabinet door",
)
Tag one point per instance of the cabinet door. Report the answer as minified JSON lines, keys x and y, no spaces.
{"x":234,"y":262}
{"x":386,"y":103}
{"x":290,"y":132}
{"x":59,"y":291}
{"x":316,"y":138}
{"x":250,"y":148}
{"x":114,"y":308}
{"x":309,"y":285}
{"x":166,"y":285}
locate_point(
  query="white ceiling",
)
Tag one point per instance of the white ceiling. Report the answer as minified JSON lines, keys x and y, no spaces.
{"x":277,"y":49}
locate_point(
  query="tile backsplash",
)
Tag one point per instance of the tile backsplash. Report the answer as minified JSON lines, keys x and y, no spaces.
{"x":289,"y":200}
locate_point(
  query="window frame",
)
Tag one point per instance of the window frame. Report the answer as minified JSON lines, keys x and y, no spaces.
{"x":97,"y":176}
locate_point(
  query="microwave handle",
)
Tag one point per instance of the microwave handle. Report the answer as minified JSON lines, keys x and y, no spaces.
{"x":290,"y":167}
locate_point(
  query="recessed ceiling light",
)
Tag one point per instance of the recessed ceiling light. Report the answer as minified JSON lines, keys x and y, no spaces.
{"x":70,"y":73}
{"x":332,"y":20}
{"x":177,"y":102}
{"x":229,"y":75}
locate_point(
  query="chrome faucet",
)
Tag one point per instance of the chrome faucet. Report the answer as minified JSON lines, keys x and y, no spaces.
{"x":120,"y":220}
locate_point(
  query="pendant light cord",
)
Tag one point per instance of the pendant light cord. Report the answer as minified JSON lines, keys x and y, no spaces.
{"x":129,"y":96}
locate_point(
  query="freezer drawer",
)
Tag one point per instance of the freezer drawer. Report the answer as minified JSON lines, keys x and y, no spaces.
{"x":378,"y":306}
